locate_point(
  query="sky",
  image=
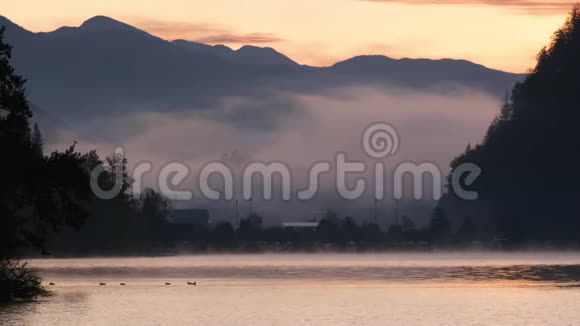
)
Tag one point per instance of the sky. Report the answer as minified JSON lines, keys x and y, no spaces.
{"x":505,"y":35}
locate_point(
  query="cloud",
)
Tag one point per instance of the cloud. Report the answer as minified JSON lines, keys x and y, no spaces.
{"x":529,"y":7}
{"x":202,"y":32}
{"x":253,"y":38}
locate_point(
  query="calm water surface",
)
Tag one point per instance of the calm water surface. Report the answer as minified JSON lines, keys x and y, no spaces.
{"x":324,"y":289}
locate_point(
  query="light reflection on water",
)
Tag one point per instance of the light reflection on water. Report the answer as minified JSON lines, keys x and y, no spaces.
{"x":325,"y":289}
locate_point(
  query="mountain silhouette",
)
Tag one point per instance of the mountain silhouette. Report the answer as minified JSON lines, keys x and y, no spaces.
{"x":103,"y":23}
{"x":106,"y":66}
{"x":407,"y":71}
{"x":247,"y":54}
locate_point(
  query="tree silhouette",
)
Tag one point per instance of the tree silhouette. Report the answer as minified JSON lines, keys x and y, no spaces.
{"x":250,"y":228}
{"x":36,"y":141}
{"x":439,"y":225}
{"x":529,"y":162}
{"x":407,"y":223}
{"x":38,"y":194}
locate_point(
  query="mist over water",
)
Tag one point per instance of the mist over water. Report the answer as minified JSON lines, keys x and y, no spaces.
{"x":550,"y":268}
{"x":330,"y":289}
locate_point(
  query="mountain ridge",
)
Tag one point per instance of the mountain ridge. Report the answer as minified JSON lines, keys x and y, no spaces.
{"x":105,"y":23}
{"x":105,"y":66}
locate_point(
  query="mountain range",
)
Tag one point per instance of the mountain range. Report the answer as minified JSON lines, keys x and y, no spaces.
{"x":105,"y":66}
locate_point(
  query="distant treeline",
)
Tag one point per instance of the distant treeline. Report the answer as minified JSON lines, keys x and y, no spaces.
{"x":140,"y":225}
{"x":147,"y":232}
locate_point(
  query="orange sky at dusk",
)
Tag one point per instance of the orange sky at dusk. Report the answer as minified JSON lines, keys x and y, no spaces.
{"x":500,"y":34}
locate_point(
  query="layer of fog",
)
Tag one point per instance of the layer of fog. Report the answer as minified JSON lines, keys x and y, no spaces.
{"x":298,"y":130}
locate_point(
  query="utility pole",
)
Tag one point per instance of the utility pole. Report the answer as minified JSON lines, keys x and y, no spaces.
{"x":250,"y":205}
{"x":396,"y":212}
{"x":237,"y":225}
{"x":376,"y":217}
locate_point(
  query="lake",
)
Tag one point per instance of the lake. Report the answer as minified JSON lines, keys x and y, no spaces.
{"x":308,"y":289}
